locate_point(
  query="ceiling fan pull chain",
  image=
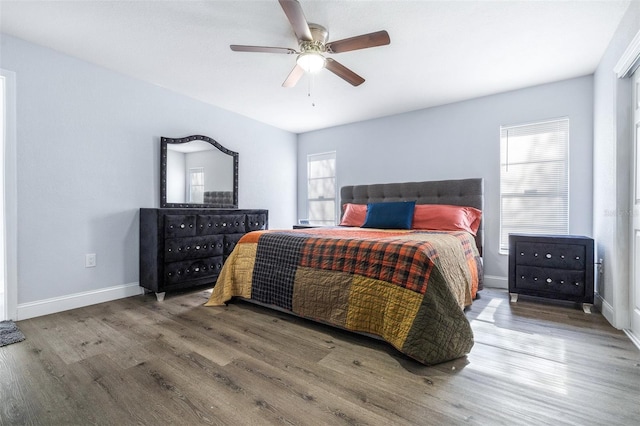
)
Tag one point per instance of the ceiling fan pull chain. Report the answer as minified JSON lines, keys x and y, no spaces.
{"x":310,"y":87}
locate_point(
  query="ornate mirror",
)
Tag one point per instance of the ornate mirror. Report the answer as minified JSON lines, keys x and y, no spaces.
{"x":197,"y":171}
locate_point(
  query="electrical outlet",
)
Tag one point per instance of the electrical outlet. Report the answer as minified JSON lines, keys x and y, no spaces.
{"x":90,"y":260}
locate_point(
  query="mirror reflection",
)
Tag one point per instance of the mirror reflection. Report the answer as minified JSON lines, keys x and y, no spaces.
{"x":198,"y":172}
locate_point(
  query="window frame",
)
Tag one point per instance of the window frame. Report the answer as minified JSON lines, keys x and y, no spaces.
{"x":309,"y":201}
{"x":562,"y":194}
{"x":190,"y":185}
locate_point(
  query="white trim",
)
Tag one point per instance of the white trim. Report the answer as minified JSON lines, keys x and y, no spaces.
{"x":632,"y":337}
{"x":606,"y":309}
{"x":495,"y":282}
{"x":10,"y":197}
{"x":629,"y":59}
{"x":78,"y":300}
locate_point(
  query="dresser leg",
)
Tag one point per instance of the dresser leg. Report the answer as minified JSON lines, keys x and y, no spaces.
{"x":160,"y":296}
{"x":514,"y":297}
{"x":586,"y":307}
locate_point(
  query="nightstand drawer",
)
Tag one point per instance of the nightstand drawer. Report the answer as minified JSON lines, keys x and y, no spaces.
{"x":557,"y":281}
{"x":550,"y":255}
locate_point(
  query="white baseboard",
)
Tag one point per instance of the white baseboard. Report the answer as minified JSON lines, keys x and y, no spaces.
{"x":633,"y":338}
{"x":605,"y":308}
{"x":496,"y":282}
{"x":77,"y":300}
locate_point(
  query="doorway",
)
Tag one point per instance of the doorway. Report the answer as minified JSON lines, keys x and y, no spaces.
{"x":635,"y":214}
{"x":3,"y":281}
{"x":8,"y":198}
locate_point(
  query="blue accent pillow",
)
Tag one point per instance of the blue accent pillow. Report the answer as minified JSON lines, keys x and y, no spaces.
{"x":391,"y":215}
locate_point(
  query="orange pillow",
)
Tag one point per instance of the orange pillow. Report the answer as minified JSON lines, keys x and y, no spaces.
{"x":444,"y":217}
{"x":354,"y":214}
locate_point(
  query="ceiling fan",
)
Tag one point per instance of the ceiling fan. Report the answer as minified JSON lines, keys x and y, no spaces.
{"x":312,"y":41}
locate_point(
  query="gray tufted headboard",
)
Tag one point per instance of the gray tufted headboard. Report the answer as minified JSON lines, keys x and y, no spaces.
{"x":461,"y":192}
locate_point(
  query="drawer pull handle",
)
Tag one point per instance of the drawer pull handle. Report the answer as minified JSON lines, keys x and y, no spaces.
{"x":522,"y":277}
{"x":548,"y":255}
{"x":521,"y":253}
{"x":535,"y":254}
{"x":182,"y":226}
{"x":535,"y":278}
{"x":577,"y":257}
{"x":197,"y":269}
{"x":561,"y":281}
{"x":549,"y":280}
{"x":576,"y":283}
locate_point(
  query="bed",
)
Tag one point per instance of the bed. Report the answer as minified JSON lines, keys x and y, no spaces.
{"x":408,"y":286}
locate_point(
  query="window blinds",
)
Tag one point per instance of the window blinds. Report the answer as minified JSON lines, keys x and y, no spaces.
{"x":534,"y":179}
{"x":321,"y":188}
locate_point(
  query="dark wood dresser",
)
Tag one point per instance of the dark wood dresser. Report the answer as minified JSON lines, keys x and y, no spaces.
{"x":183,"y":248}
{"x":552,"y":266}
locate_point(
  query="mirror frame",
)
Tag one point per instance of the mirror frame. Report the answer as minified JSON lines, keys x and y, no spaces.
{"x":164,"y":141}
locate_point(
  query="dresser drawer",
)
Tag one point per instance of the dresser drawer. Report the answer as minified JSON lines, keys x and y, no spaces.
{"x":230,"y":241}
{"x":558,"y":281}
{"x":193,"y":247}
{"x":221,"y":224}
{"x":179,"y":226}
{"x":550,"y":255}
{"x":188,"y":270}
{"x":256,"y":222}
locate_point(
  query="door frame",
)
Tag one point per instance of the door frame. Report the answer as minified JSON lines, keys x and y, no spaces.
{"x":10,"y":198}
{"x":626,"y":67}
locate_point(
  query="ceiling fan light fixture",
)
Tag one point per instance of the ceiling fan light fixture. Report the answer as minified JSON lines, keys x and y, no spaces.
{"x":311,"y":62}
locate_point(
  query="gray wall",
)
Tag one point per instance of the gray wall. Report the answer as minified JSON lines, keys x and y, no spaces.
{"x":462,"y":140}
{"x":88,"y":143}
{"x":612,"y":177}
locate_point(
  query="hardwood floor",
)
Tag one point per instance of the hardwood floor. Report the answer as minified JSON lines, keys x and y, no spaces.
{"x":139,"y":361}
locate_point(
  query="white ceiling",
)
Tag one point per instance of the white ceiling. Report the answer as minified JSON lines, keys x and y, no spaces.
{"x":440,"y":51}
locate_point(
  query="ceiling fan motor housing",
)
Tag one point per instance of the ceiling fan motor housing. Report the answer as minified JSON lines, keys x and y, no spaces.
{"x":319,"y":35}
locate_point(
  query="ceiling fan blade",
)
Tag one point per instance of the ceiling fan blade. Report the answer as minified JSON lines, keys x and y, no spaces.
{"x":293,"y":76}
{"x":294,"y":13}
{"x":379,"y":38}
{"x":262,"y":49}
{"x":343,"y":72}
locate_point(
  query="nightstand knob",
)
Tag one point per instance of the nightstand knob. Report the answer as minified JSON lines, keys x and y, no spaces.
{"x":577,"y":257}
{"x":576,"y":283}
{"x":521,"y":253}
{"x":562,"y":256}
{"x":548,"y":256}
{"x":549,"y":280}
{"x":535,"y":254}
{"x":182,"y":226}
{"x":535,"y":278}
{"x":561,"y":281}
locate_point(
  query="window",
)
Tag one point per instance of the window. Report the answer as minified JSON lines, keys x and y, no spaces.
{"x":321,"y":188}
{"x":196,"y":185}
{"x":534,"y":179}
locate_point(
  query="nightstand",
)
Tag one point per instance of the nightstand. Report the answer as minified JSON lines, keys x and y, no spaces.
{"x":552,"y":266}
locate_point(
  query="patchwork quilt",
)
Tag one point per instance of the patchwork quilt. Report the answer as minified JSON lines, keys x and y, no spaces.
{"x":408,"y":287}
